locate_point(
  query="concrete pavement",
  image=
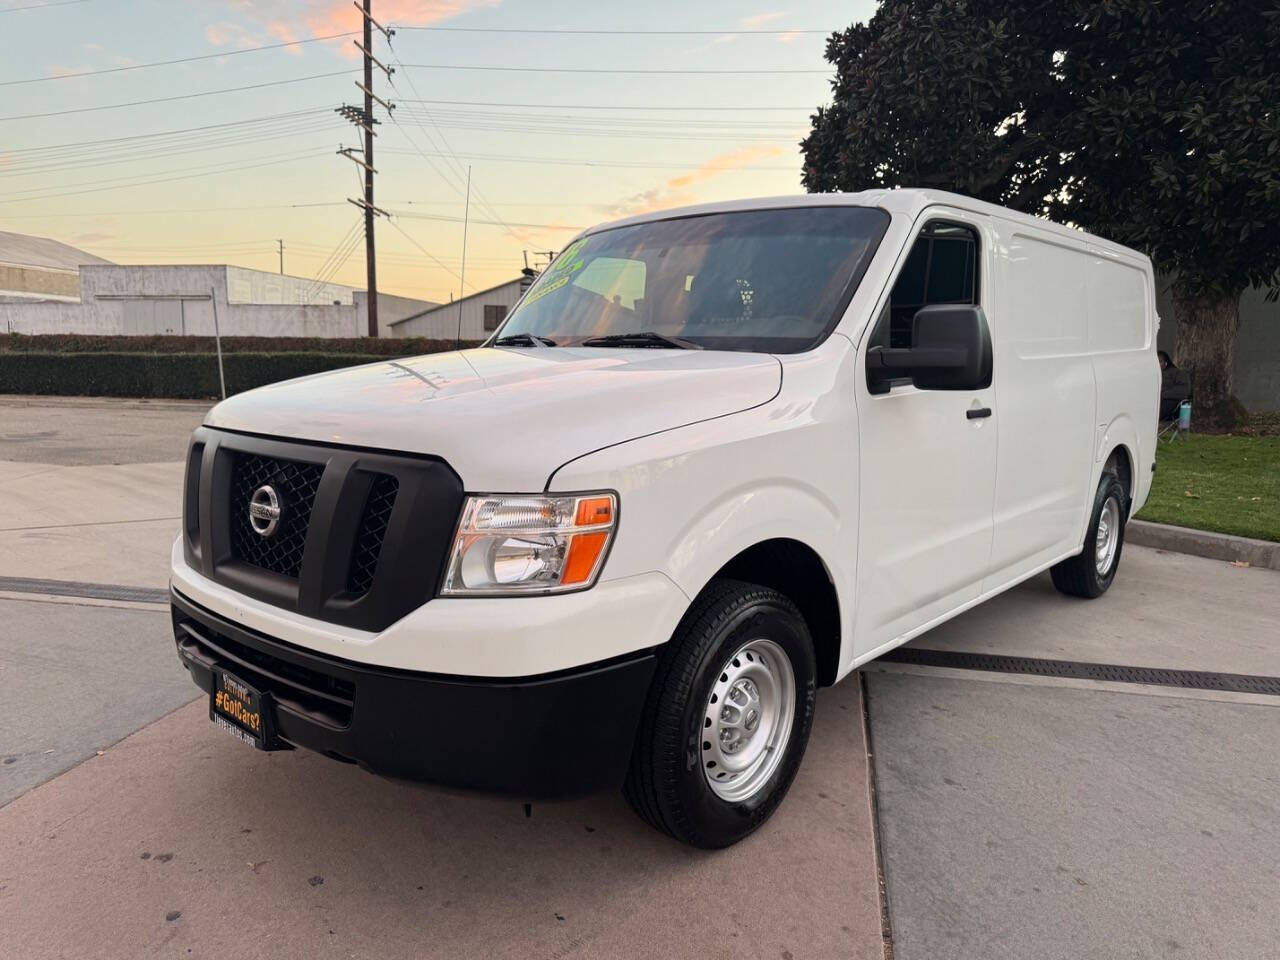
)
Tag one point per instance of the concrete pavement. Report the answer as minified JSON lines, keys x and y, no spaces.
{"x":1031,"y":820}
{"x":73,"y":431}
{"x":90,"y":489}
{"x":1020,"y":816}
{"x":294,"y":855}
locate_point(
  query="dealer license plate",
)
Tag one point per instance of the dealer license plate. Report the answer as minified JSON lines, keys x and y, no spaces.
{"x":240,"y":710}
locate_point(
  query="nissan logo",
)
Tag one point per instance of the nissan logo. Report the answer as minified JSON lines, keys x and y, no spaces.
{"x":264,"y":510}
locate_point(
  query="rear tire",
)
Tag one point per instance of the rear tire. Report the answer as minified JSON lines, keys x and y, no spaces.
{"x":727,"y":718}
{"x":1090,"y":572}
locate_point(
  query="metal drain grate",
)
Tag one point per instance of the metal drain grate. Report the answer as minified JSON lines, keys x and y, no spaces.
{"x":1076,"y":670}
{"x":75,"y":588}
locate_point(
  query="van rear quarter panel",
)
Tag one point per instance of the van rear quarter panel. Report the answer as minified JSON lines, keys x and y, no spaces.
{"x":1122,"y":333}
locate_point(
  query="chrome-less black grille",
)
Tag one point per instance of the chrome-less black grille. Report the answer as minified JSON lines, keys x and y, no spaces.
{"x":373,"y":529}
{"x":362,"y":535}
{"x":295,"y":486}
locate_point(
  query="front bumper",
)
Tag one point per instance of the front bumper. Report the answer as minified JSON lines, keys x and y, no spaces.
{"x":551,"y":735}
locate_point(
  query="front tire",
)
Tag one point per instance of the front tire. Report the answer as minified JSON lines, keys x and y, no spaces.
{"x":1090,"y":572}
{"x":727,"y":718}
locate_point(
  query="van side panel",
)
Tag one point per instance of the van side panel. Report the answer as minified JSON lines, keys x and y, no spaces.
{"x":1122,"y":331}
{"x":1045,"y":400}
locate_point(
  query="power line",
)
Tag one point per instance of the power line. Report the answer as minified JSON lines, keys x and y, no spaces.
{"x":717,"y":108}
{"x":143,"y":183}
{"x":168,"y":63}
{"x":168,"y":211}
{"x":629,"y":70}
{"x":480,"y":197}
{"x":587,"y":162}
{"x":601,"y":33}
{"x":410,"y":215}
{"x":167,"y":133}
{"x":41,"y":6}
{"x":183,"y":96}
{"x":645,"y":134}
{"x":430,"y":256}
{"x":83,"y":161}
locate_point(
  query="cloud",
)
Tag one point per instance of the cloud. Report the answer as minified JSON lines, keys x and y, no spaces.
{"x":758,"y":20}
{"x":284,"y":33}
{"x":220,"y":34}
{"x":92,"y":237}
{"x":326,"y":17}
{"x":676,"y":190}
{"x":289,"y":20}
{"x":66,"y":70}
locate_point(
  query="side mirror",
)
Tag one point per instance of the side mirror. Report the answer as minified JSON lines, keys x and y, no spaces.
{"x":952,"y":351}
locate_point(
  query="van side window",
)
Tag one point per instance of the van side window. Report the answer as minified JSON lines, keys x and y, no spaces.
{"x":942,"y":267}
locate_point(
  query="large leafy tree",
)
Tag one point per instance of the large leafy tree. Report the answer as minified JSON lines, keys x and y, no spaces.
{"x":1153,"y":122}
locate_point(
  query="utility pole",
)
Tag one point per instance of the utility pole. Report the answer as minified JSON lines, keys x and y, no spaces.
{"x":462,"y":276}
{"x":281,"y":243}
{"x":365,"y":120}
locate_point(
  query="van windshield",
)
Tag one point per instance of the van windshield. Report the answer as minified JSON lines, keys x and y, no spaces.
{"x":769,"y":281}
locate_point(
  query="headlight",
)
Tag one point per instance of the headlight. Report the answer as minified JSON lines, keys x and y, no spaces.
{"x":530,"y":544}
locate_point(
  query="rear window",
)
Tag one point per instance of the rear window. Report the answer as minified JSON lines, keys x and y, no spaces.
{"x":770,"y":281}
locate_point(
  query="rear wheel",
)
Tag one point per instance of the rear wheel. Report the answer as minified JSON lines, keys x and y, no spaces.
{"x":1090,"y":572}
{"x":727,"y":718}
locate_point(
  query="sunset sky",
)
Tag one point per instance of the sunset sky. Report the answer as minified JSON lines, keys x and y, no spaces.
{"x":544,"y":162}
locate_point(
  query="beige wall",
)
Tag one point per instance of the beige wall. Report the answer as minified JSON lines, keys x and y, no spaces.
{"x":37,"y":280}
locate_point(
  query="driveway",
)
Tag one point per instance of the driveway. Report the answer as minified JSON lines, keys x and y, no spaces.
{"x":1016,"y":815}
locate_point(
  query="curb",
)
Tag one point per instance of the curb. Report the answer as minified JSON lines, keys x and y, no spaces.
{"x":1202,"y":543}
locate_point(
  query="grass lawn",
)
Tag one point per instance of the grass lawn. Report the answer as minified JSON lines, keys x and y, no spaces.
{"x":1229,"y":484}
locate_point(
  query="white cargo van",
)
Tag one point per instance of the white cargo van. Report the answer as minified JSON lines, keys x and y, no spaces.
{"x":716,"y":458}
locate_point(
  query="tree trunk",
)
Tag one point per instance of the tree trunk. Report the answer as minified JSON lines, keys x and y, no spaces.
{"x":1206,"y":345}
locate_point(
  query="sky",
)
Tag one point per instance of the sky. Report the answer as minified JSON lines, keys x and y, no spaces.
{"x":222,"y":177}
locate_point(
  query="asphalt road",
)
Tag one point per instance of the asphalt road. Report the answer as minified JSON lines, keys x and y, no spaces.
{"x":76,"y":678}
{"x":1018,"y":816}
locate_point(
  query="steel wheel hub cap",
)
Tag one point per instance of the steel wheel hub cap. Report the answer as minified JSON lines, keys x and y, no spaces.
{"x":1108,"y":538}
{"x":747,"y":721}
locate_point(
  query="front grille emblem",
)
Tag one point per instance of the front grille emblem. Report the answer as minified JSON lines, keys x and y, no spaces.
{"x":264,"y":510}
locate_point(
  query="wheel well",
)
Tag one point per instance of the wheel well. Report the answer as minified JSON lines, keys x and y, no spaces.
{"x":792,"y":568}
{"x":1122,"y":462}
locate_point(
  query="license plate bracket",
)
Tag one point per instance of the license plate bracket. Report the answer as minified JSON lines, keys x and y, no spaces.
{"x":243,"y":711}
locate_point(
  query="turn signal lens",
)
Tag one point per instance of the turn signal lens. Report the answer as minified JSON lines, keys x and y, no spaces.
{"x":584,"y":551}
{"x":530,"y":544}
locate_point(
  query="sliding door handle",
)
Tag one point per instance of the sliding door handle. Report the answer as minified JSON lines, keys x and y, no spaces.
{"x":977,"y":413}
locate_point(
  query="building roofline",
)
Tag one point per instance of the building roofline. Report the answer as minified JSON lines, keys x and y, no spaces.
{"x":454,"y":303}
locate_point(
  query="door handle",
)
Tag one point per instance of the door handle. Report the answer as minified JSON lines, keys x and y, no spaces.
{"x":977,"y":413}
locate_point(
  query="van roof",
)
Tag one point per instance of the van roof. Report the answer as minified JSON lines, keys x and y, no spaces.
{"x":908,"y":202}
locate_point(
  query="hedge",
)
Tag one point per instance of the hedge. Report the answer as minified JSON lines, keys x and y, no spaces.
{"x":180,"y":375}
{"x":78,"y":343}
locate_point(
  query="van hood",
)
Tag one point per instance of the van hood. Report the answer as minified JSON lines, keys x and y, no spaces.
{"x":504,"y":419}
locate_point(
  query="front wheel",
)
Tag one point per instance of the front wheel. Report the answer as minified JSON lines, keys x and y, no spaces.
{"x":1090,"y":572}
{"x":727,"y":718}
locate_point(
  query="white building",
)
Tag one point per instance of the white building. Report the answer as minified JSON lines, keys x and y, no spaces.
{"x":481,"y":313}
{"x":180,"y":300}
{"x":37,"y":268}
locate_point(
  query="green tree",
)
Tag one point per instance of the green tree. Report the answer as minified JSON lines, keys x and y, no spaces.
{"x":1155,"y":123}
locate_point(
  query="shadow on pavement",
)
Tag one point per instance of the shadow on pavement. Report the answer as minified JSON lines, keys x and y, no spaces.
{"x":181,"y":838}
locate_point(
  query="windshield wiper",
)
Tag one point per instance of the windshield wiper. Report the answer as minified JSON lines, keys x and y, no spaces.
{"x":524,"y":340}
{"x":644,"y":338}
